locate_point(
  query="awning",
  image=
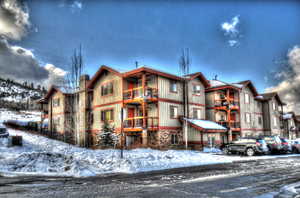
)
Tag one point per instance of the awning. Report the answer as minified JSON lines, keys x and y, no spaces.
{"x":205,"y":125}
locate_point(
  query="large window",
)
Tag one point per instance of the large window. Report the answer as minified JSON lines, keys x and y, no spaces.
{"x":248,"y":117}
{"x":196,"y":89}
{"x":107,"y":115}
{"x":247,"y":98}
{"x":197,"y":113}
{"x":173,"y":86}
{"x":173,"y":112}
{"x":107,"y":89}
{"x":56,"y":102}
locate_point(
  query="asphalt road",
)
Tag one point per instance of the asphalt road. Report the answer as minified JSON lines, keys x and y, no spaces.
{"x":239,"y":179}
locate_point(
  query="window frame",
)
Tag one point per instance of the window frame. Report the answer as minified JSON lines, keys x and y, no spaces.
{"x":200,"y":113}
{"x":246,"y":118}
{"x":247,"y":98}
{"x":102,"y":88}
{"x":171,"y":83}
{"x":173,"y":107}
{"x":174,"y":139}
{"x":275,"y":121}
{"x":194,"y":89}
{"x":102,"y":112}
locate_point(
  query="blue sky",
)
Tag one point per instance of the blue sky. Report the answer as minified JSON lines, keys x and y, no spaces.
{"x":118,"y":33}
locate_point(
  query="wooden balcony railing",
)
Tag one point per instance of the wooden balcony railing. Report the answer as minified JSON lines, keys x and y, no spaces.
{"x":138,"y":92}
{"x":230,"y":124}
{"x":231,"y":103}
{"x":138,"y":122}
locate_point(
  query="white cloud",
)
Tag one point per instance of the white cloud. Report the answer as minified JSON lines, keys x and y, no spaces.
{"x":14,"y":19}
{"x":231,"y":31}
{"x":55,"y":70}
{"x":231,"y":28}
{"x":289,"y":87}
{"x":233,"y":43}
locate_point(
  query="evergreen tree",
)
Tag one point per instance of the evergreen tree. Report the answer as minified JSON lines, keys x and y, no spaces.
{"x":107,"y":137}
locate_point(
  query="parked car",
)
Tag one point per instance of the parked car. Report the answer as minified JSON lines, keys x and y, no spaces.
{"x":247,"y":146}
{"x":286,"y":146}
{"x":274,"y":144}
{"x":3,"y":131}
{"x":296,"y":146}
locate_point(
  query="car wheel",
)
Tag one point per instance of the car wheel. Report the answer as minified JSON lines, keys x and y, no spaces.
{"x":294,"y":150}
{"x":226,"y":151}
{"x":249,"y":152}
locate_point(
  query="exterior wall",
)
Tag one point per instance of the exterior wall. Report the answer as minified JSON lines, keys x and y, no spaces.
{"x":107,"y":102}
{"x":275,"y":128}
{"x":196,"y":101}
{"x":57,"y":112}
{"x":164,"y":89}
{"x":254,"y":108}
{"x":164,"y":114}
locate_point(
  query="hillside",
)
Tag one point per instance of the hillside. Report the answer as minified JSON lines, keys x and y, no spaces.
{"x":19,"y":95}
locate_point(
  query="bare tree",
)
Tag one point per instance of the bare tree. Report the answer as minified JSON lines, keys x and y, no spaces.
{"x":184,"y":67}
{"x":73,"y":88}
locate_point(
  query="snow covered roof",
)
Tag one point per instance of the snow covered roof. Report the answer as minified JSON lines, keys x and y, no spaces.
{"x":206,"y":124}
{"x":287,"y":116}
{"x":218,"y":83}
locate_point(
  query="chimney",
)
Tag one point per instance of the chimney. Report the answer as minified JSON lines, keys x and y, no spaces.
{"x":83,"y":81}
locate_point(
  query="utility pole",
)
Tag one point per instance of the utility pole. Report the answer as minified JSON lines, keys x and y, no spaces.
{"x":122,"y":133}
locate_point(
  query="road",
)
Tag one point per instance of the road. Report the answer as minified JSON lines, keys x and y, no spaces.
{"x":246,"y":179}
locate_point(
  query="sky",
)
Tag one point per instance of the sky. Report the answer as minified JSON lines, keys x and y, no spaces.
{"x":236,"y":40}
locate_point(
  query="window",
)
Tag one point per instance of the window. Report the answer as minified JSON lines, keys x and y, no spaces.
{"x":173,"y":86}
{"x":274,"y":105}
{"x":174,"y":139}
{"x":56,"y":102}
{"x":196,"y":113}
{"x":107,"y":115}
{"x":259,"y":120}
{"x":107,"y":89}
{"x":275,"y":121}
{"x":173,"y":112}
{"x":196,"y":89}
{"x":248,"y":118}
{"x":247,"y":98}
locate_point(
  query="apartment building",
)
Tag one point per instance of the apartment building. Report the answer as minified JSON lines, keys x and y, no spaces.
{"x":57,"y":109}
{"x":272,"y":113}
{"x":152,"y":103}
{"x":235,"y":106}
{"x":161,"y":110}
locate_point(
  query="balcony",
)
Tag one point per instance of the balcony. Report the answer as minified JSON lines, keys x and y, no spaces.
{"x":137,"y":95}
{"x":234,"y":125}
{"x":137,"y":123}
{"x":224,"y":104}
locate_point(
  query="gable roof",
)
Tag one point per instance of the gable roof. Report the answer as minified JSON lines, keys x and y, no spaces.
{"x":250,"y":85}
{"x":271,"y":95}
{"x":100,"y":71}
{"x":217,"y":84}
{"x":54,"y":89}
{"x":201,"y":77}
{"x":152,"y":71}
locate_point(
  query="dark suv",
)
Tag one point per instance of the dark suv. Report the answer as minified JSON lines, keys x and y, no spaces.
{"x":247,"y":146}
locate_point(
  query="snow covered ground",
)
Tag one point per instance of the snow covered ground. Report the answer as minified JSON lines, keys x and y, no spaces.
{"x":42,"y":156}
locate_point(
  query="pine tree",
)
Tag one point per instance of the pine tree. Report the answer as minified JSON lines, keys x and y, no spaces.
{"x":107,"y":137}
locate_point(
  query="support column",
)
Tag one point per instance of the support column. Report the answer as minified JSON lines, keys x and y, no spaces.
{"x":229,"y":135}
{"x":144,"y":138}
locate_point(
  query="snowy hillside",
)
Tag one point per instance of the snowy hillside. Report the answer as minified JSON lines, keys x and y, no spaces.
{"x":16,"y":92}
